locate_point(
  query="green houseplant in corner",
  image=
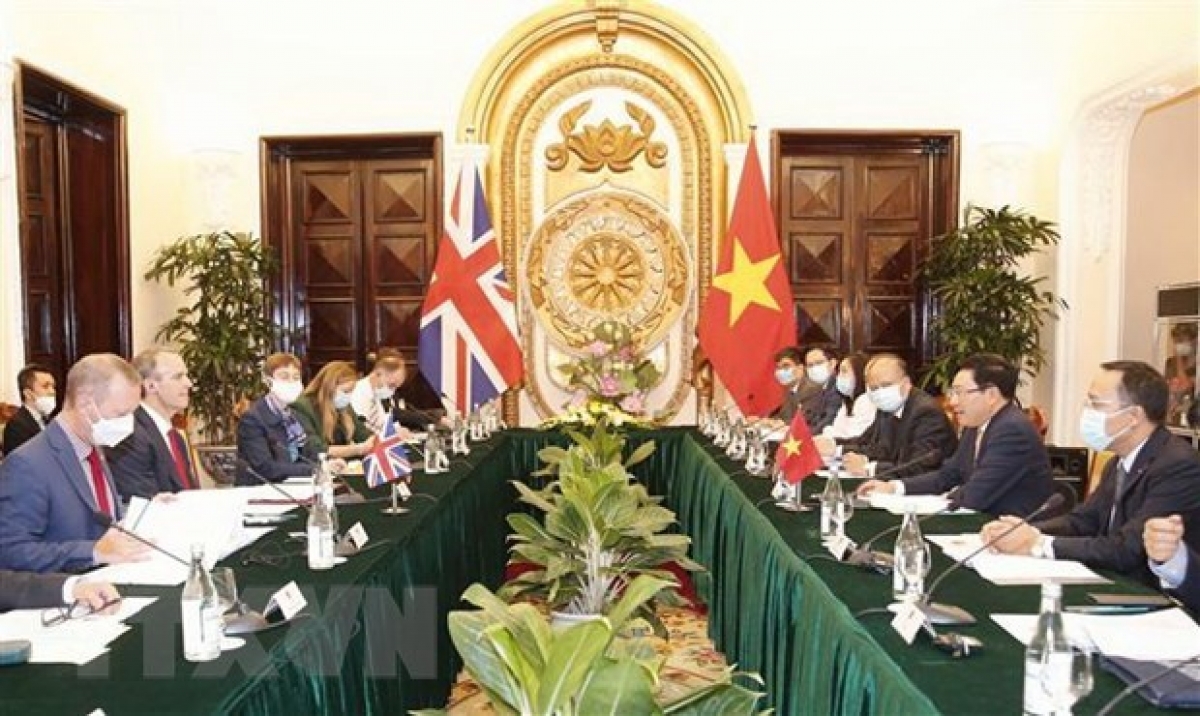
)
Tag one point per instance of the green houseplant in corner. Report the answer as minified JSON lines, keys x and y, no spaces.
{"x":224,"y":331}
{"x":983,"y":304}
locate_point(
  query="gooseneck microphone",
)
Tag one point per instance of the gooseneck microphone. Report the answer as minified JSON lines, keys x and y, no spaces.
{"x":882,"y":562}
{"x":105,"y":520}
{"x":930,"y":454}
{"x":952,"y":615}
{"x":274,"y":486}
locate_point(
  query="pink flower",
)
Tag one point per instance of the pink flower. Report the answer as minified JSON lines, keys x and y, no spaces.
{"x":609,"y":386}
{"x":633,"y":404}
{"x":598,"y":348}
{"x":578,"y":399}
{"x":626,"y":353}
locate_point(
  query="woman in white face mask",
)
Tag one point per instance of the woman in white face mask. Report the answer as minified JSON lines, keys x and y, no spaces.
{"x":324,"y":410}
{"x":272,"y":444}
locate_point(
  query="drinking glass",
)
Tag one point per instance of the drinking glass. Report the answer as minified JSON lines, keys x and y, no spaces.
{"x":226,"y":585}
{"x":842,"y":513}
{"x":1065,"y":692}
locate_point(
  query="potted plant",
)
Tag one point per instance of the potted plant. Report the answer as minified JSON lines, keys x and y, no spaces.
{"x":601,"y":530}
{"x":982,"y":303}
{"x":525,"y":667}
{"x":223,"y":334}
{"x":610,"y":379}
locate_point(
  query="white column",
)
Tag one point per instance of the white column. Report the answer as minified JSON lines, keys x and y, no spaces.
{"x":12,"y":338}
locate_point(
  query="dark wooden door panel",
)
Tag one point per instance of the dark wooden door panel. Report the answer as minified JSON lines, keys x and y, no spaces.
{"x":357,"y":220}
{"x":41,"y":247}
{"x":856,"y":211}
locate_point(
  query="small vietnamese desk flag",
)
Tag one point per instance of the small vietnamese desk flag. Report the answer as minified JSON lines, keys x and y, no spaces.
{"x":797,"y":456}
{"x":748,"y":314}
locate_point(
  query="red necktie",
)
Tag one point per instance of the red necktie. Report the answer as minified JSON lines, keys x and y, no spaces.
{"x":179,"y":452}
{"x":99,"y":484}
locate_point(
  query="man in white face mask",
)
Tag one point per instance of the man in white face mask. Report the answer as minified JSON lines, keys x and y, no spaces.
{"x":38,"y":403}
{"x":1154,"y":474}
{"x":52,"y":489}
{"x":910,"y":436}
{"x":822,"y":405}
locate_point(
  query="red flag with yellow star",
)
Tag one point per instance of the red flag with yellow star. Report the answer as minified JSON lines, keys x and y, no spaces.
{"x":797,"y":456}
{"x":748,"y":315}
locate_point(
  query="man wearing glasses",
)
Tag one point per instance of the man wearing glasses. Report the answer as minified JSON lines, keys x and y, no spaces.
{"x":30,"y":590}
{"x":1155,"y":474}
{"x":1001,"y":465}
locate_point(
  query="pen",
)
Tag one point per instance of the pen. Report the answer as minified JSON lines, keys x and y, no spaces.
{"x":1110,"y":609}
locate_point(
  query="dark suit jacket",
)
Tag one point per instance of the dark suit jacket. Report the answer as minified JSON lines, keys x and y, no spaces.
{"x":47,"y":521}
{"x":411,"y":418}
{"x":793,"y":399}
{"x":821,"y":406}
{"x":20,"y":430}
{"x":142,"y":464}
{"x":1010,"y":476}
{"x":263,"y":445}
{"x":921,"y":429}
{"x":30,"y":590}
{"x":1165,"y":480}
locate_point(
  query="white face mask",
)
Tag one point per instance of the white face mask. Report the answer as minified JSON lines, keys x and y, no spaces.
{"x":845,"y":385}
{"x":819,"y":373}
{"x":384,"y":393}
{"x":1092,"y":428}
{"x":341,"y":400}
{"x":1183,"y":349}
{"x":108,"y":432}
{"x":888,"y":399}
{"x":45,"y":405}
{"x":287,"y":391}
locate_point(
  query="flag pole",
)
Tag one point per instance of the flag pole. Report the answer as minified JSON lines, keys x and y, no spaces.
{"x":395,"y":509}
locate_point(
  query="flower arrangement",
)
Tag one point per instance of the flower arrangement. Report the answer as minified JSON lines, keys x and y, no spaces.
{"x":611,"y":379}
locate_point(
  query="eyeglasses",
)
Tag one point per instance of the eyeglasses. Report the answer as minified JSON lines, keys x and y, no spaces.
{"x":76,"y":610}
{"x":960,"y":392}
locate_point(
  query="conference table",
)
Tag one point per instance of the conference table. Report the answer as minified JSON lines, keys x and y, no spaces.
{"x":373,"y":639}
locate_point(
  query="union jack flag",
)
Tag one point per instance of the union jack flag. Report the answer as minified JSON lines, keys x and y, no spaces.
{"x":468,"y":349}
{"x":388,"y":460}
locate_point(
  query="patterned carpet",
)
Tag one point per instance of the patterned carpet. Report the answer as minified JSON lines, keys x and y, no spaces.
{"x":691,"y":662}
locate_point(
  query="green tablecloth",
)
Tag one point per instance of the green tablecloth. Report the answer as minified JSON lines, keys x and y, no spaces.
{"x":777,"y":605}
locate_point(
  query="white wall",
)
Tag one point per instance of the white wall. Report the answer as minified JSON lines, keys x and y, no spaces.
{"x":1163,"y":238}
{"x":1010,"y":74}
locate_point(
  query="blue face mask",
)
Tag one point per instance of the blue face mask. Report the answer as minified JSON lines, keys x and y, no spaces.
{"x":888,"y":399}
{"x":341,"y":400}
{"x":1092,"y":428}
{"x":845,"y":385}
{"x":785,"y":376}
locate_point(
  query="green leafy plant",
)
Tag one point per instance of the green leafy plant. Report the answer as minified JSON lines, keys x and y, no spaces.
{"x":527,"y":668}
{"x":612,"y":370}
{"x":982,"y":303}
{"x":600,"y":531}
{"x":226,"y":330}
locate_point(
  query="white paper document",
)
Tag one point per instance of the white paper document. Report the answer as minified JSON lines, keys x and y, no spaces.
{"x":1008,"y":569}
{"x":75,"y":641}
{"x":900,"y":504}
{"x":1165,"y":635}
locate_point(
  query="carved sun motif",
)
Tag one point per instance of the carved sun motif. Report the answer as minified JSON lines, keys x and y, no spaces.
{"x":606,"y":272}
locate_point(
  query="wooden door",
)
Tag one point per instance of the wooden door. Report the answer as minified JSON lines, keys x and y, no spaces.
{"x":356,"y":223}
{"x":74,"y":222}
{"x":856,"y":212}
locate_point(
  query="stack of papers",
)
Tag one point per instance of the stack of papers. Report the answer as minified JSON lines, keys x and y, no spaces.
{"x":76,"y":641}
{"x":1166,"y":635}
{"x":900,"y":504}
{"x":1007,"y":569}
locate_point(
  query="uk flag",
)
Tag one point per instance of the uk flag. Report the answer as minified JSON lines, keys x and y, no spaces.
{"x":468,"y":348}
{"x":387,"y":461}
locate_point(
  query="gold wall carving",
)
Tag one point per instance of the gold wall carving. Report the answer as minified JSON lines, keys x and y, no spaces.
{"x":605,"y":122}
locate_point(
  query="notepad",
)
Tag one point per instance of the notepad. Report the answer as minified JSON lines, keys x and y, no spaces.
{"x":1009,"y":569}
{"x":1169,"y":634}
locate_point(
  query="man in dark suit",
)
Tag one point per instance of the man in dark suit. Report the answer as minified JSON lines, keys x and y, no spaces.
{"x":30,"y":590}
{"x":1001,"y":465}
{"x":37,"y":387}
{"x":52,"y":488}
{"x":155,"y":459}
{"x":1176,"y":565}
{"x":790,"y":373}
{"x":1154,"y":474}
{"x":821,"y":405}
{"x":910,"y":436}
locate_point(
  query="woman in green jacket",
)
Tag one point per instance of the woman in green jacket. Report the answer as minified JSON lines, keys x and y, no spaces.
{"x":324,"y":410}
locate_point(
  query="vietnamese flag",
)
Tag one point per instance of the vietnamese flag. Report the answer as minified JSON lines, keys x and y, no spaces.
{"x":747,"y":315}
{"x":797,"y":456}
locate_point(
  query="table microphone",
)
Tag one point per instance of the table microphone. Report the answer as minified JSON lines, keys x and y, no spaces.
{"x":882,"y":562}
{"x":351,"y":497}
{"x":949,"y":614}
{"x":343,"y":546}
{"x":1108,"y":707}
{"x":105,"y":520}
